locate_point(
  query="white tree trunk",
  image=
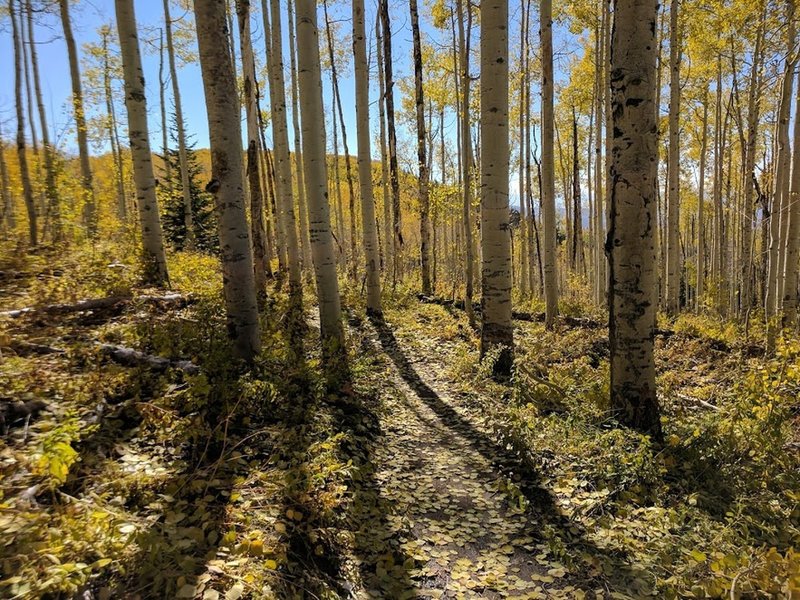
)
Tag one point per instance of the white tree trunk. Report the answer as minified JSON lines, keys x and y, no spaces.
{"x":464,"y":28}
{"x":497,"y":330}
{"x":388,"y":254}
{"x":283,"y":165}
{"x":548,"y":167}
{"x":155,"y":263}
{"x":780,"y":194}
{"x":313,"y":132}
{"x":631,"y":240}
{"x":302,"y":207}
{"x":27,"y":189}
{"x":793,"y":229}
{"x":253,"y":150}
{"x":51,"y":192}
{"x":701,"y":226}
{"x":222,"y":107}
{"x":372,"y":256}
{"x":89,"y":207}
{"x":673,"y":279}
{"x":422,"y":163}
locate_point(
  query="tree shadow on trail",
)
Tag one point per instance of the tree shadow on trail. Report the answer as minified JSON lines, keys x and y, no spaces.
{"x":618,"y":573}
{"x":342,"y":551}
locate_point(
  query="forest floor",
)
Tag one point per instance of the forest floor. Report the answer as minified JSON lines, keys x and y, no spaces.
{"x":418,"y":476}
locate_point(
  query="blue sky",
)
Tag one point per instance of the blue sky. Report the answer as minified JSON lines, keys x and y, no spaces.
{"x":89,"y":15}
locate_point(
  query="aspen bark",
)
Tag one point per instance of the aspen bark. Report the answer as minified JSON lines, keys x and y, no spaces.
{"x":701,"y":200}
{"x":599,"y":228}
{"x":272,"y":178}
{"x":524,"y":278}
{"x":337,"y":99}
{"x":9,"y":220}
{"x":424,"y":199}
{"x":222,"y":107}
{"x":89,"y":206}
{"x":548,"y":166}
{"x":302,"y":208}
{"x":748,"y":220}
{"x":464,"y":30}
{"x":27,"y":188}
{"x":631,"y":241}
{"x":394,"y":176}
{"x":313,"y":133}
{"x":283,"y":165}
{"x":253,"y":150}
{"x":155,"y":262}
{"x":793,"y":227}
{"x":371,"y":254}
{"x":780,"y":195}
{"x":497,"y":330}
{"x":51,"y":192}
{"x":577,"y":214}
{"x":388,"y":242}
{"x":673,"y":278}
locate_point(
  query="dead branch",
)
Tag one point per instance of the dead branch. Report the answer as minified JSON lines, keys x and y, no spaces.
{"x":133,"y":358}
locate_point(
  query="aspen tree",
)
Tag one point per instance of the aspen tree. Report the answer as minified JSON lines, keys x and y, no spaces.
{"x":394,"y":176}
{"x":155,"y":262}
{"x":701,"y":200}
{"x":302,"y":209}
{"x":524,"y":285}
{"x":673,"y":276}
{"x":464,"y":31}
{"x":283,"y":165}
{"x":780,"y":195}
{"x":548,"y":166}
{"x":599,"y":225}
{"x":271,"y":176}
{"x":313,"y":134}
{"x":51,"y":192}
{"x":424,"y":199}
{"x":631,"y":241}
{"x":793,"y":227}
{"x":388,"y":242}
{"x":9,"y":219}
{"x":337,"y":99}
{"x":253,"y":150}
{"x":222,"y":107}
{"x":497,"y":330}
{"x":89,"y":207}
{"x":371,"y":254}
{"x":748,"y":175}
{"x":27,"y":188}
{"x":162,"y":85}
{"x":577,"y":214}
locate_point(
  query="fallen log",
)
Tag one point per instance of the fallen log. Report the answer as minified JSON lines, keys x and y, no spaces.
{"x":173,"y":300}
{"x":21,"y":348}
{"x":133,"y":358}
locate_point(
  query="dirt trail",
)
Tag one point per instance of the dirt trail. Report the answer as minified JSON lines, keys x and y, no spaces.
{"x":455,"y":517}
